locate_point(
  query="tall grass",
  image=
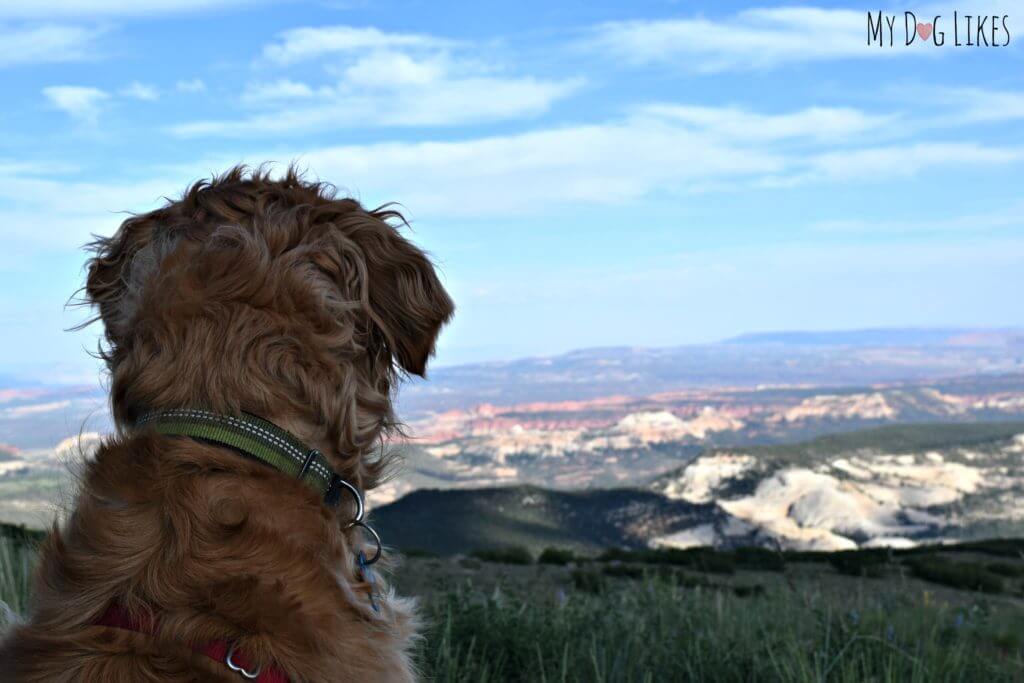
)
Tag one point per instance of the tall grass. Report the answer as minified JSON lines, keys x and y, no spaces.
{"x":660,"y":628}
{"x":17,"y":558}
{"x":660,"y":631}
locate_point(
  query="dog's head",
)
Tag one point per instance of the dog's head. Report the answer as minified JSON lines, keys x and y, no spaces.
{"x":269,"y":296}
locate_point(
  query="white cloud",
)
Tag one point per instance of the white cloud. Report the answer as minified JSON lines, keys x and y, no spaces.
{"x":19,"y":9}
{"x":976,"y":105}
{"x":368,"y":77}
{"x":529,"y":172}
{"x":282,"y":89}
{"x":657,"y":149}
{"x":514,"y":174}
{"x":871,"y":164}
{"x":662,"y":149}
{"x":191,"y":85}
{"x":821,"y":123}
{"x":79,"y":102}
{"x":394,"y":69}
{"x":1007,"y":217}
{"x":754,"y":38}
{"x":906,"y":160}
{"x":313,"y":42}
{"x":44,"y":44}
{"x":377,"y":83}
{"x":35,"y":409}
{"x":141,"y":91}
{"x":615,"y":163}
{"x":447,"y":103}
{"x":38,"y":209}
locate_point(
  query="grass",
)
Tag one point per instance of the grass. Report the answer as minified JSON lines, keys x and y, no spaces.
{"x":674,"y":621}
{"x":701,"y":559}
{"x":556,"y":556}
{"x":17,"y":558}
{"x":968,"y":576}
{"x":661,"y":630}
{"x":507,"y":555}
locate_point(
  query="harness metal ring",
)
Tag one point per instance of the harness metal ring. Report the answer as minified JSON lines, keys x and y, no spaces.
{"x":360,"y":510}
{"x":252,"y":675}
{"x":376,"y":540}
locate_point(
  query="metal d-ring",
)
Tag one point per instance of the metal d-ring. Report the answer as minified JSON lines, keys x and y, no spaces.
{"x":360,"y":509}
{"x":251,"y":674}
{"x":376,"y":540}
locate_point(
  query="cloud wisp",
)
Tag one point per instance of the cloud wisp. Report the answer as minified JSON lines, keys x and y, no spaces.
{"x":47,"y":43}
{"x":141,"y":91}
{"x":371,"y":78}
{"x":91,"y":9}
{"x":307,"y":43}
{"x":80,"y":102}
{"x":750,"y":39}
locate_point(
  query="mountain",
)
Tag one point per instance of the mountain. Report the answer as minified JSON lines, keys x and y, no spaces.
{"x":893,"y":485}
{"x":454,"y":521}
{"x":615,"y":441}
{"x":898,"y":485}
{"x":836,"y":359}
{"x":606,"y":417}
{"x":888,"y":337}
{"x":35,"y":417}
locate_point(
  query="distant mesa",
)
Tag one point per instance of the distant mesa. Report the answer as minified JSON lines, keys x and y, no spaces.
{"x":886,"y":337}
{"x":897,"y":486}
{"x":902,"y":484}
{"x":768,"y":438}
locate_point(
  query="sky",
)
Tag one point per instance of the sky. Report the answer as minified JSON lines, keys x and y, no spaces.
{"x":582,"y":173}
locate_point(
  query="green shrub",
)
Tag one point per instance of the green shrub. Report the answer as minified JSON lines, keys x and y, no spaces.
{"x":955,"y":574}
{"x":999,"y":547}
{"x":513,"y":554}
{"x":21,"y":534}
{"x":1006,"y":569}
{"x":619,"y":555}
{"x":556,"y":556}
{"x":707,"y":560}
{"x":761,"y":559}
{"x":700,"y":559}
{"x":588,"y":581}
{"x":628,"y":571}
{"x":470,"y":563}
{"x":872,"y":563}
{"x":753,"y":591}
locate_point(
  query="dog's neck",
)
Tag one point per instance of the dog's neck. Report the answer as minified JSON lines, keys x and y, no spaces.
{"x":315,"y":437}
{"x":307,"y":432}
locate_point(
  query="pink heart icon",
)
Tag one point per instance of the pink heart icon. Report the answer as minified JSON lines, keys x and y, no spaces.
{"x":924,"y":30}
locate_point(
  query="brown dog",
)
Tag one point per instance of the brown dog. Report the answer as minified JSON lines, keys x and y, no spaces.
{"x":248,"y":295}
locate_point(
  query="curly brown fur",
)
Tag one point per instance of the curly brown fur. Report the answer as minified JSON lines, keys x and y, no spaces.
{"x":248,"y":294}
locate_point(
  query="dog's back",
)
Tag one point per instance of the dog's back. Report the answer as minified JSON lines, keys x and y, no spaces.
{"x":255,"y":295}
{"x":219,"y":547}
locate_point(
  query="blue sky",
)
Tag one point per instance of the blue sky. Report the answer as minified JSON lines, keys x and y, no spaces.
{"x":585,"y":174}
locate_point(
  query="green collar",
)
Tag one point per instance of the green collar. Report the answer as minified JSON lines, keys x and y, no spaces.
{"x":262,"y":440}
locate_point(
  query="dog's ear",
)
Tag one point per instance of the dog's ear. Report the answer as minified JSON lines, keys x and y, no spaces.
{"x":108,"y":285}
{"x":405,"y":299}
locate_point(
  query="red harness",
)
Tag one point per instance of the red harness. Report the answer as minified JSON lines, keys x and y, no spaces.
{"x":218,"y":650}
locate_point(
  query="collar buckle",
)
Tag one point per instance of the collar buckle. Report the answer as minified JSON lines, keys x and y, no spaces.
{"x":333,"y":497}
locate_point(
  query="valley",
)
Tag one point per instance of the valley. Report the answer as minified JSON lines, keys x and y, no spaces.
{"x":823,"y":441}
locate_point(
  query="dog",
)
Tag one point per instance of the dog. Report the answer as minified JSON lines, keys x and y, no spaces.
{"x":270,"y":306}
